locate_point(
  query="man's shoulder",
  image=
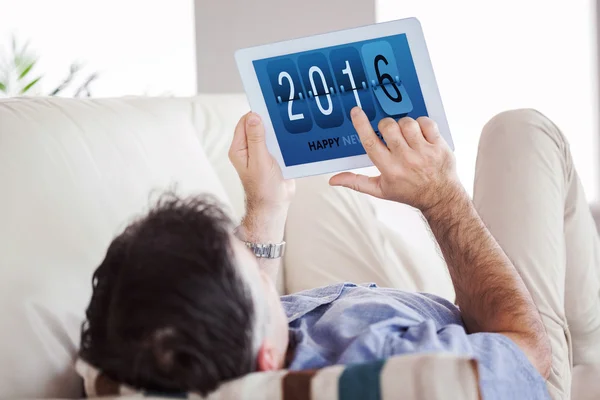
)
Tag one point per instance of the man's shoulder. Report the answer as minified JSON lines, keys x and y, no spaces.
{"x":329,"y":290}
{"x":327,"y":293}
{"x":299,"y":304}
{"x":426,"y":305}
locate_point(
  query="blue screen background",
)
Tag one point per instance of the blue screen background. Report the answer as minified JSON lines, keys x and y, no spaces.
{"x":318,"y":137}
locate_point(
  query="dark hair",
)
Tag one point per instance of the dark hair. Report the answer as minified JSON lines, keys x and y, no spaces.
{"x":169,"y":310}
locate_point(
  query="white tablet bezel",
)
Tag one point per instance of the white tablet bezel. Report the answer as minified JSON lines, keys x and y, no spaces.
{"x":416,"y":41}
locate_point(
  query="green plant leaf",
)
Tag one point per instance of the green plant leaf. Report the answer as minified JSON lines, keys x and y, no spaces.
{"x":26,"y":70}
{"x":30,"y":85}
{"x":2,"y":87}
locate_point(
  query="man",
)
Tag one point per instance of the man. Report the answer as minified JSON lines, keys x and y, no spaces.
{"x":180,"y":304}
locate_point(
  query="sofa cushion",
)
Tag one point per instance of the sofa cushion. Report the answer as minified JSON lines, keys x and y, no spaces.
{"x":407,"y":377}
{"x":338,"y":235}
{"x":73,"y":173}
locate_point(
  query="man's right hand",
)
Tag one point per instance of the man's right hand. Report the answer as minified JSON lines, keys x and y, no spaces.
{"x":417,"y":166}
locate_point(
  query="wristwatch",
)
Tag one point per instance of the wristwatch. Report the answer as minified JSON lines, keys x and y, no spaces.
{"x":262,"y":250}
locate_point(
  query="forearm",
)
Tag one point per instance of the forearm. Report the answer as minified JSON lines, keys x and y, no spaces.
{"x":265,"y":227}
{"x":489,"y":291}
{"x":268,"y":195}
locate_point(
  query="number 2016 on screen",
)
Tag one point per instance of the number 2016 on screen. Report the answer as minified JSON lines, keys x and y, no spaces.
{"x":322,"y":88}
{"x":309,"y":95}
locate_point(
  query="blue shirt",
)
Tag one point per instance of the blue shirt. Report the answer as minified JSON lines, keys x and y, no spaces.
{"x":346,"y":323}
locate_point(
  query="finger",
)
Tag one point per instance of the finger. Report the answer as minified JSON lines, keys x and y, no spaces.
{"x":430,"y":129}
{"x":239,"y":145}
{"x":360,"y":183}
{"x":390,"y":131}
{"x":255,"y":136}
{"x":374,"y":147}
{"x":412,"y":132}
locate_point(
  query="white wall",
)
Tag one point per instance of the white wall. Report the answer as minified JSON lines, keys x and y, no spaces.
{"x":488,"y":56}
{"x":224,"y":26}
{"x":491,"y":56}
{"x":137,"y":46}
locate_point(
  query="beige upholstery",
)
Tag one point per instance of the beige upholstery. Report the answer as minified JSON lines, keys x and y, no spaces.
{"x":335,"y":234}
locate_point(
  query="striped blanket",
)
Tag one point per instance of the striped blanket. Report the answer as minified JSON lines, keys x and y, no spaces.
{"x":422,"y":376}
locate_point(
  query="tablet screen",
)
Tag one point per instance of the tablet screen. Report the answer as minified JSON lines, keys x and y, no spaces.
{"x":309,"y":95}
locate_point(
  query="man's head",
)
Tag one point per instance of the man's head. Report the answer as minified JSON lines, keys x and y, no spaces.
{"x":179,"y":304}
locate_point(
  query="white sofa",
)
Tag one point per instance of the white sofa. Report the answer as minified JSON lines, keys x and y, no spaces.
{"x":75,"y":172}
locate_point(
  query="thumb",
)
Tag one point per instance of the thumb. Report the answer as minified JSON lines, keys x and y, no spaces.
{"x":360,"y":183}
{"x":238,"y":151}
{"x":255,"y":136}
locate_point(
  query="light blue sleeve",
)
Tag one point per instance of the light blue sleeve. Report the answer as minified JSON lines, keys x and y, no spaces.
{"x":504,"y":370}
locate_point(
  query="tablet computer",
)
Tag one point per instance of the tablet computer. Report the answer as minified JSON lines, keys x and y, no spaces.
{"x":304,"y":89}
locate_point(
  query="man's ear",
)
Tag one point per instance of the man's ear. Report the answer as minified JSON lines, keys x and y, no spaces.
{"x":267,"y":359}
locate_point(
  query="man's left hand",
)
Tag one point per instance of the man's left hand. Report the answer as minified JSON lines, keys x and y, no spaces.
{"x":268,"y":195}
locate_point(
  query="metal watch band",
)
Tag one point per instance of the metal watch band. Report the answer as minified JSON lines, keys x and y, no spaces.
{"x":269,"y":250}
{"x":261,"y":250}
